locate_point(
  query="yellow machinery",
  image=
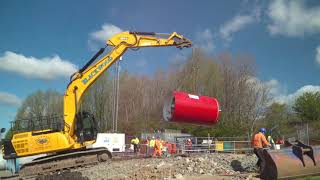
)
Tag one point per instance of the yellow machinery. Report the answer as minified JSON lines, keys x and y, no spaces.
{"x":79,"y":127}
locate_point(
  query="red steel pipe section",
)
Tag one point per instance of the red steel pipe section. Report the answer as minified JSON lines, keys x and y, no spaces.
{"x":189,"y":108}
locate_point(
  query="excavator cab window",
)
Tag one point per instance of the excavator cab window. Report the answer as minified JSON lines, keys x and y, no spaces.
{"x":86,"y":129}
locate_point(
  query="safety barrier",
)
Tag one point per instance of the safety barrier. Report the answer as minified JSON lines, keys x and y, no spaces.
{"x":214,"y":144}
{"x":217,"y":146}
{"x":201,"y":145}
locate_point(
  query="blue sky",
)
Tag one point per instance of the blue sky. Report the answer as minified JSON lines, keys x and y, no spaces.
{"x":43,"y":42}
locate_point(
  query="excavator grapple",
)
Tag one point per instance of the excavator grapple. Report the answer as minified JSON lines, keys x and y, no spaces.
{"x":296,"y":160}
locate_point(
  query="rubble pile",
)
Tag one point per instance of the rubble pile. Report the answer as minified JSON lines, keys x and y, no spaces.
{"x":224,"y":166}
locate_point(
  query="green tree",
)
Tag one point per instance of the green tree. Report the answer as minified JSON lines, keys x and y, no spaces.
{"x":307,"y":106}
{"x":278,"y":116}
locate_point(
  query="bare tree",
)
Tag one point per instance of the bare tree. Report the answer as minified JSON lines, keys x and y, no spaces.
{"x":40,"y":110}
{"x":97,"y":100}
{"x":231,"y":80}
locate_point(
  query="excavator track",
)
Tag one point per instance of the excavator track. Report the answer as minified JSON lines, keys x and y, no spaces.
{"x":55,"y":163}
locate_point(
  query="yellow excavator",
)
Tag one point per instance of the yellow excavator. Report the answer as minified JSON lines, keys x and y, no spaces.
{"x":67,"y":148}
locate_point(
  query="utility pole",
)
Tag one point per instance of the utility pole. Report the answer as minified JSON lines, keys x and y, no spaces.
{"x":116,"y":93}
{"x":113,"y":100}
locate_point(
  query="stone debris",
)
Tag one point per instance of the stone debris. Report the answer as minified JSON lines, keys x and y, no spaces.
{"x":199,"y":166}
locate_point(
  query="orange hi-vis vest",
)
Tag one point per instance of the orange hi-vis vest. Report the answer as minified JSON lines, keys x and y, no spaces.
{"x":158,"y":144}
{"x":259,"y":140}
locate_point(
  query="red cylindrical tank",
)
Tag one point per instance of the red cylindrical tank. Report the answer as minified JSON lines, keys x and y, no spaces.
{"x":188,"y":108}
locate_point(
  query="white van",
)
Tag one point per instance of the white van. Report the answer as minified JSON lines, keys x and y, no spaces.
{"x":114,"y":142}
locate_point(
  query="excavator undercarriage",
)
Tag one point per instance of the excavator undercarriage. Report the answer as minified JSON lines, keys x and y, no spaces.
{"x":58,"y":161}
{"x":64,"y":161}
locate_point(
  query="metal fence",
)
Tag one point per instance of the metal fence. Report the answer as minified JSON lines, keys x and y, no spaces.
{"x":214,"y":144}
{"x":53,"y":122}
{"x":201,"y":145}
{"x":300,"y":131}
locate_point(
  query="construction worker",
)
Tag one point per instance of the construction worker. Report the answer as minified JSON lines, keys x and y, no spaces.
{"x":135,"y":142}
{"x":152,"y":142}
{"x":164,"y":148}
{"x":147,"y":145}
{"x":271,"y":141}
{"x":157,"y":148}
{"x":259,"y":142}
{"x":148,"y":140}
{"x":189,"y":145}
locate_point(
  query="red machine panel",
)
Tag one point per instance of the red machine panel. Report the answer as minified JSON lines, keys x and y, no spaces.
{"x":189,"y":108}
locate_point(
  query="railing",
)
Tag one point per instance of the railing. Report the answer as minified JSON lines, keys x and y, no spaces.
{"x":217,"y":145}
{"x":53,"y":122}
{"x":214,"y":144}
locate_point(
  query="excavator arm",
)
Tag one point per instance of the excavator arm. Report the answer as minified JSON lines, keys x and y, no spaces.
{"x":82,"y":80}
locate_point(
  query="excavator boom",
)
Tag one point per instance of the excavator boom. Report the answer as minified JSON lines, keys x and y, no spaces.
{"x":120,"y":42}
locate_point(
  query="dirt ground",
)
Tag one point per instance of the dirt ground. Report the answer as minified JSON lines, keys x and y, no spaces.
{"x":205,"y":166}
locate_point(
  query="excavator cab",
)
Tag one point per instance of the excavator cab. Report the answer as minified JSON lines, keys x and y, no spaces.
{"x":86,"y":127}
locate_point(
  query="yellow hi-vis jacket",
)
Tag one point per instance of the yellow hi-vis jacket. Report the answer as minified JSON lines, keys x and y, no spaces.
{"x":135,"y":141}
{"x":270,"y":139}
{"x":152,"y":143}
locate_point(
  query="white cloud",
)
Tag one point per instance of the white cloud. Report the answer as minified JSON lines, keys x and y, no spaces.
{"x":279,"y":91}
{"x":236,"y":24}
{"x":98,"y":38}
{"x":273,"y":85}
{"x":293,"y":18}
{"x":46,"y":68}
{"x":290,"y":98}
{"x":280,"y":94}
{"x":204,"y":40}
{"x":276,"y":88}
{"x":106,"y":32}
{"x":249,"y":13}
{"x":9,"y":99}
{"x":318,"y":55}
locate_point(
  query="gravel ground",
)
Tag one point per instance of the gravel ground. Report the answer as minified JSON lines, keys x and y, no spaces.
{"x":205,"y":166}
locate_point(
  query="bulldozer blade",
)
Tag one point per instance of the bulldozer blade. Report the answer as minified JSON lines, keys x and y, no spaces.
{"x":296,"y":161}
